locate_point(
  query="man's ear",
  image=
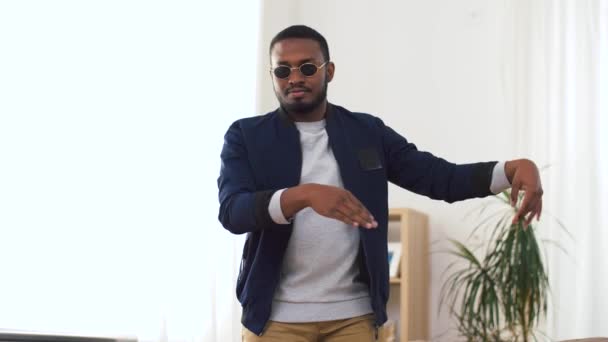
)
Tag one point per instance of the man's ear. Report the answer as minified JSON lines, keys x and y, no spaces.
{"x":331,"y":68}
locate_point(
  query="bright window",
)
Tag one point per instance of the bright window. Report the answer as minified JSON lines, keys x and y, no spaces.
{"x":112,"y":115}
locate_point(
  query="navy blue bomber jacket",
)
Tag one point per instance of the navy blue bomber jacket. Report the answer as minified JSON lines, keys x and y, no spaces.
{"x":262,"y":154}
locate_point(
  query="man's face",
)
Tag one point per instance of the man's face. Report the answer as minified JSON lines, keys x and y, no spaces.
{"x":298,"y":93}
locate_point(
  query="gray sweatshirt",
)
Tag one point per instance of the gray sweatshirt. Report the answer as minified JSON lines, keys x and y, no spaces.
{"x":319,"y":269}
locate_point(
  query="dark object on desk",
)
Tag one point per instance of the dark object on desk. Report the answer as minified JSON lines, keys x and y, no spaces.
{"x":39,"y":337}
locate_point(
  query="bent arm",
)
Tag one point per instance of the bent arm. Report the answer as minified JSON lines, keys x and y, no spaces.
{"x":243,"y":208}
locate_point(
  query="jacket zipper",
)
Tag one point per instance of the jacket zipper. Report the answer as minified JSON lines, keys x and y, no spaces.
{"x":370,"y":279}
{"x":273,"y":291}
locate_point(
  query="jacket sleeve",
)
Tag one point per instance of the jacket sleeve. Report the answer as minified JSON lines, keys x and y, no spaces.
{"x":242,"y":208}
{"x":431,"y":176}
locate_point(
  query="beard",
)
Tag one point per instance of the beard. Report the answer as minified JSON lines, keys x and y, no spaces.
{"x":303,"y":107}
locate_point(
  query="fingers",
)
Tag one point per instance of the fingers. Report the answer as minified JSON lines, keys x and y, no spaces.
{"x":531,"y":206}
{"x":338,"y":215}
{"x":340,"y":204}
{"x":357,"y":217}
{"x":362,"y":211}
{"x":347,"y":217}
{"x":514,"y":196}
{"x":529,"y":218}
{"x":523,"y":208}
{"x":515,"y":192}
{"x":526,"y":177}
{"x":535,"y":212}
{"x":351,"y":211}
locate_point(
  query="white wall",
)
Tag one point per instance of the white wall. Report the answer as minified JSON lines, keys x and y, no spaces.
{"x":430,"y":69}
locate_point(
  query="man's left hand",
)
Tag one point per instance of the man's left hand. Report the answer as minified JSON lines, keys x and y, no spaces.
{"x":524,"y":175}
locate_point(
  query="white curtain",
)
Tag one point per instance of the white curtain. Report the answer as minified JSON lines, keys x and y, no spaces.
{"x":556,"y":86}
{"x":112,"y":115}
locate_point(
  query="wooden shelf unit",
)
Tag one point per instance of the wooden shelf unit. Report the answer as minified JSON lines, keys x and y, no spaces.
{"x":413,"y":280}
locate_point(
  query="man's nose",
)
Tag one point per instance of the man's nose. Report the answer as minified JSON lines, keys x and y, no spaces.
{"x":295,"y":76}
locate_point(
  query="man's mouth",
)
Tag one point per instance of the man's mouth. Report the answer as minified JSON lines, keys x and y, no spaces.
{"x":298,"y":92}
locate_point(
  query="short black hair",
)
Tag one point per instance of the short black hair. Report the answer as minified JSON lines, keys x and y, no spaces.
{"x":302,"y":31}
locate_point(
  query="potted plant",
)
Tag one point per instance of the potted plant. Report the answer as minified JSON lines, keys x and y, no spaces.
{"x":502,"y":295}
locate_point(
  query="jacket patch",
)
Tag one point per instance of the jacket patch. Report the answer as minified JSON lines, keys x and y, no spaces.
{"x":369,"y":159}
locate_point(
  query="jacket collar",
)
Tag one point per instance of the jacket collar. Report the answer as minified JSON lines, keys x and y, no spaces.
{"x":285,"y":118}
{"x":339,"y":142}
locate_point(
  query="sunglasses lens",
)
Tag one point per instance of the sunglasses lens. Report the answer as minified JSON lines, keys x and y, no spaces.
{"x":308,"y":69}
{"x":282,"y":72}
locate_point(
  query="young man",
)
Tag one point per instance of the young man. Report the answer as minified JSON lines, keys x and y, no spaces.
{"x":308,"y":184}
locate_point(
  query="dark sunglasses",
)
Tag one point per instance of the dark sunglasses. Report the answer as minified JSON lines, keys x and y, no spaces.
{"x":306,"y":69}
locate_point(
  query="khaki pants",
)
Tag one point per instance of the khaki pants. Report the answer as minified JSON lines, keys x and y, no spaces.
{"x":356,"y":329}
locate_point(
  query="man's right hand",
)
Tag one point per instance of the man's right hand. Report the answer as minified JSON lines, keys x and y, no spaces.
{"x":328,"y":201}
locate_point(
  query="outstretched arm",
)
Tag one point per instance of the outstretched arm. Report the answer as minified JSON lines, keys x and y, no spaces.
{"x":431,"y":176}
{"x":428,"y":175}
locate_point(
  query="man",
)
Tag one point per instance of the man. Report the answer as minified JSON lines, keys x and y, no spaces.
{"x":308,"y":184}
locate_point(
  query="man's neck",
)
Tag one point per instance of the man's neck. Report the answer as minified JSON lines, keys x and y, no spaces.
{"x":316,"y":114}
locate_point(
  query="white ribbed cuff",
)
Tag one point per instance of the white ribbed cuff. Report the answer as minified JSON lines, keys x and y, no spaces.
{"x":500,"y":182}
{"x":274,"y":208}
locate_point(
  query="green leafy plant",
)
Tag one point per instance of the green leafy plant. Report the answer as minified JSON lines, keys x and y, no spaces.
{"x":501,"y":296}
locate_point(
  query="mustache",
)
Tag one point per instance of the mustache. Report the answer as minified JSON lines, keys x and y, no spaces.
{"x":297,"y":87}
